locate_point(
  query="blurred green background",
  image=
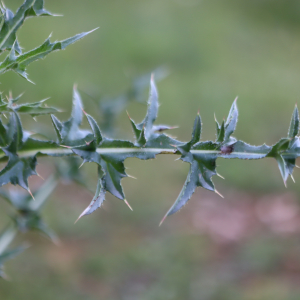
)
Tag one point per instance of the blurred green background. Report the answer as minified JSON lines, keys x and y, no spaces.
{"x":245,"y":246}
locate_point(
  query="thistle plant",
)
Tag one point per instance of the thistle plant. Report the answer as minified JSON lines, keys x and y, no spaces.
{"x":20,"y":150}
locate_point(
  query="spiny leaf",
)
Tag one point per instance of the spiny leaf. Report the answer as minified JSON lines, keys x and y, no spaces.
{"x":11,"y":23}
{"x":95,"y":128}
{"x":231,"y":121}
{"x":110,"y":107}
{"x":196,"y":135}
{"x":14,"y":134}
{"x":147,"y":123}
{"x":18,"y":63}
{"x":99,"y":195}
{"x":18,"y":170}
{"x":187,"y":191}
{"x":294,"y":126}
{"x":33,"y":109}
{"x":68,"y":132}
{"x":139,"y":133}
{"x":221,"y":133}
{"x":285,"y":152}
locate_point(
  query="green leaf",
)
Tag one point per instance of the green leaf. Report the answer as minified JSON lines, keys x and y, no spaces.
{"x":18,"y":63}
{"x":68,"y":132}
{"x":99,"y":195}
{"x":139,"y":134}
{"x":147,"y":123}
{"x":14,"y":135}
{"x":95,"y":129}
{"x":285,"y":152}
{"x":11,"y":23}
{"x":231,"y":121}
{"x":33,"y":109}
{"x":220,"y":132}
{"x":196,"y":135}
{"x":18,"y":170}
{"x":187,"y":191}
{"x":294,"y":126}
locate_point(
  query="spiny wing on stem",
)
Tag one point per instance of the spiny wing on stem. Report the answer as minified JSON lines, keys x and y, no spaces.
{"x":33,"y":109}
{"x":202,"y":156}
{"x":18,"y":63}
{"x":288,"y":149}
{"x":11,"y":23}
{"x":68,"y":133}
{"x":110,"y":154}
{"x":21,"y":151}
{"x":99,"y":195}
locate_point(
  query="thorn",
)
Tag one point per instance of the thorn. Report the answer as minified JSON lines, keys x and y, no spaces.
{"x":131,"y":176}
{"x":43,"y":100}
{"x":220,"y":176}
{"x":293,"y":178}
{"x":65,"y":146}
{"x":297,"y":166}
{"x":34,"y":118}
{"x":40,"y":176}
{"x":5,"y":116}
{"x":128,"y":115}
{"x":29,"y":191}
{"x":78,"y":219}
{"x":75,"y":86}
{"x":215,"y":117}
{"x":128,"y":204}
{"x":163,"y":219}
{"x":152,"y":76}
{"x":219,"y":194}
{"x":284,"y":181}
{"x":83,"y":111}
{"x":81,"y":164}
{"x":177,"y":159}
{"x":173,"y":146}
{"x":235,"y":98}
{"x":198,"y":113}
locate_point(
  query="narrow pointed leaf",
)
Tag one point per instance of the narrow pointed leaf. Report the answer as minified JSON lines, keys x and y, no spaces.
{"x":187,"y":191}
{"x":11,"y":23}
{"x":18,"y":63}
{"x":294,"y":126}
{"x":151,"y":111}
{"x":95,"y":129}
{"x":99,"y":195}
{"x":231,"y":121}
{"x":221,"y":133}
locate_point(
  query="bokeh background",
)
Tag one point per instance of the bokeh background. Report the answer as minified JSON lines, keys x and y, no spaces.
{"x":245,"y":246}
